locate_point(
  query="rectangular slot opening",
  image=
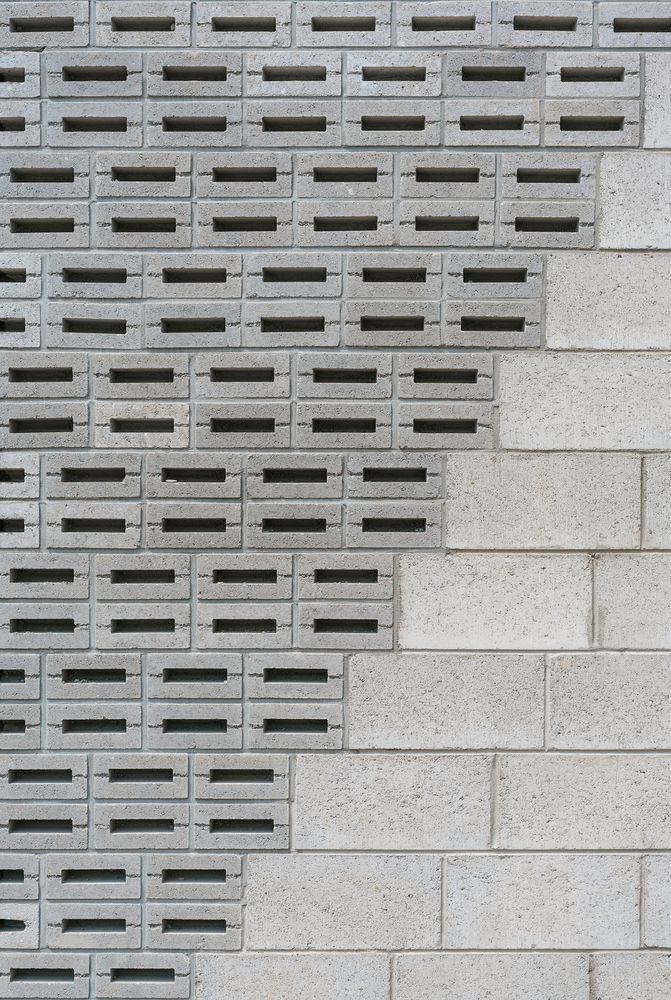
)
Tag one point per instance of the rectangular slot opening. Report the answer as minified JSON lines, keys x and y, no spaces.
{"x":144,"y":175}
{"x":95,"y":275}
{"x":548,"y":175}
{"x":94,"y":74}
{"x":9,"y":675}
{"x":393,"y":123}
{"x":394,"y":275}
{"x":121,"y":224}
{"x":31,"y":575}
{"x":7,"y":925}
{"x":375,"y":474}
{"x":52,"y":975}
{"x":91,"y":876}
{"x":244,"y":175}
{"x":447,"y":175}
{"x":187,"y":524}
{"x":295,"y":726}
{"x":93,"y":675}
{"x":241,"y":776}
{"x":102,"y":726}
{"x":39,"y":776}
{"x":140,"y":576}
{"x":393,"y":74}
{"x":93,"y":925}
{"x":491,"y":275}
{"x":194,"y":74}
{"x":591,"y":123}
{"x":292,"y":74}
{"x":402,"y":525}
{"x":13,"y":276}
{"x":242,"y":425}
{"x":245,"y":224}
{"x":343,"y":626}
{"x":343,"y":23}
{"x":12,"y":475}
{"x":493,"y":324}
{"x":538,"y":22}
{"x":119,"y":425}
{"x":12,"y":325}
{"x":294,"y":275}
{"x":41,"y":24}
{"x":442,"y":376}
{"x":195,"y":675}
{"x":345,"y":223}
{"x":546,"y":225}
{"x":344,"y":175}
{"x":193,"y":475}
{"x":307,"y":123}
{"x":491,"y":123}
{"x":636,"y":25}
{"x":140,"y":376}
{"x":41,"y":425}
{"x":238,"y":375}
{"x":40,"y":826}
{"x":493,"y":74}
{"x":447,"y":223}
{"x":591,"y":74}
{"x":181,"y":925}
{"x":242,"y":825}
{"x":293,"y":324}
{"x":12,"y":876}
{"x":12,"y":124}
{"x":109,"y":475}
{"x":194,"y":276}
{"x":103,"y":327}
{"x":12,"y":74}
{"x":445,"y":22}
{"x":236,"y":576}
{"x":131,"y":626}
{"x":140,"y":774}
{"x":346,"y":376}
{"x":194,"y":725}
{"x":251,"y":24}
{"x":342,"y":576}
{"x":197,"y":875}
{"x":142,"y":23}
{"x":287,"y":525}
{"x":286,"y":476}
{"x":24,"y":375}
{"x":29,"y":227}
{"x":142,"y":975}
{"x":142,"y":825}
{"x":175,"y":123}
{"x":391,"y":324}
{"x":12,"y":525}
{"x":437,"y":425}
{"x":344,"y":425}
{"x":192,"y":324}
{"x":80,"y":124}
{"x":66,"y":626}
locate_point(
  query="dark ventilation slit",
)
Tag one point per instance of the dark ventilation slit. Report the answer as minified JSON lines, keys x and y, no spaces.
{"x":447,"y":426}
{"x":290,"y":74}
{"x":198,"y":875}
{"x":12,"y":876}
{"x":34,"y":226}
{"x":142,"y":826}
{"x":591,"y":74}
{"x":295,"y":726}
{"x":93,"y":675}
{"x":548,"y":175}
{"x":93,"y":925}
{"x":132,"y":626}
{"x":13,"y":276}
{"x":244,"y":175}
{"x":443,"y":23}
{"x":140,"y":576}
{"x":199,"y":675}
{"x":343,"y":24}
{"x":7,"y":925}
{"x":12,"y":124}
{"x":242,"y":425}
{"x":195,"y":74}
{"x":94,"y":74}
{"x":143,"y":23}
{"x":447,"y":223}
{"x":242,"y":825}
{"x":275,"y":123}
{"x":345,"y":223}
{"x":439,"y":376}
{"x":12,"y":525}
{"x":547,"y":225}
{"x":344,"y":175}
{"x":12,"y":475}
{"x":40,"y":375}
{"x":403,"y":525}
{"x":12,"y":74}
{"x":12,"y":325}
{"x":341,"y":576}
{"x":12,"y":727}
{"x":284,"y":525}
{"x":241,"y":776}
{"x":236,"y":576}
{"x":493,"y":74}
{"x":195,"y":926}
{"x":339,"y":626}
{"x":487,"y":275}
{"x":394,"y":275}
{"x":305,"y":475}
{"x":636,"y":25}
{"x":389,"y":475}
{"x":393,"y":74}
{"x":144,"y":175}
{"x":109,"y":475}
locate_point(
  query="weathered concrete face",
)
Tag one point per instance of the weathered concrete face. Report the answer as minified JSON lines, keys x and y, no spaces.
{"x":335,"y":530}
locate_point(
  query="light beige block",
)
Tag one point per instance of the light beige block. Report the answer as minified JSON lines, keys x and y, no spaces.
{"x":657,"y":501}
{"x":446,"y":701}
{"x":553,"y":501}
{"x":292,"y":977}
{"x":632,"y":599}
{"x":492,"y":977}
{"x":584,"y":802}
{"x":341,"y":902}
{"x":637,"y":976}
{"x":635,"y":200}
{"x":657,"y":117}
{"x":609,"y":701}
{"x":611,"y":301}
{"x":657,"y":902}
{"x":541,"y":901}
{"x":425,"y":802}
{"x":494,"y":601}
{"x":565,"y":402}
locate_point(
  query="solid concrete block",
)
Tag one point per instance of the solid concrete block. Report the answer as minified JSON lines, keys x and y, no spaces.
{"x":635,"y":210}
{"x":490,"y":601}
{"x":292,"y":977}
{"x":657,"y":513}
{"x":399,"y":701}
{"x":309,"y":903}
{"x":642,"y":975}
{"x":352,"y":802}
{"x":491,"y":977}
{"x":657,"y":123}
{"x":656,"y":929}
{"x":630,"y":595}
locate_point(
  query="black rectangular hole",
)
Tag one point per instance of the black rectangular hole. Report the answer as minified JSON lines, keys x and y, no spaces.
{"x":194,"y":276}
{"x":93,"y":925}
{"x":242,"y":825}
{"x":93,"y":675}
{"x":193,"y":874}
{"x":344,"y":175}
{"x":12,"y":525}
{"x":41,"y":24}
{"x":194,"y":725}
{"x":489,"y":275}
{"x":304,"y":475}
{"x":533,"y":22}
{"x":402,"y":525}
{"x":51,"y":975}
{"x":548,"y":175}
{"x":122,"y":224}
{"x":120,"y":425}
{"x":40,"y":826}
{"x":530,"y":224}
{"x":12,"y":475}
{"x":39,"y":776}
{"x":178,"y":475}
{"x":344,"y":576}
{"x":108,"y":475}
{"x":12,"y":74}
{"x":41,"y":425}
{"x":591,"y":74}
{"x":144,"y":175}
{"x":445,"y":22}
{"x":447,"y":223}
{"x":343,"y":23}
{"x":12,"y":325}
{"x":94,"y":74}
{"x":293,"y":324}
{"x":251,"y":24}
{"x":283,"y":525}
{"x":191,"y":123}
{"x":636,"y":25}
{"x":295,"y":123}
{"x":194,"y":74}
{"x":344,"y":425}
{"x":142,"y":23}
{"x":131,"y":626}
{"x":194,"y":675}
{"x":295,"y":726}
{"x":86,"y":325}
{"x":181,"y":925}
{"x":140,"y":774}
{"x":12,"y":876}
{"x":140,"y":576}
{"x":291,"y":74}
{"x":493,"y":74}
{"x":95,"y":275}
{"x":340,"y":626}
{"x":141,"y":376}
{"x":242,"y":425}
{"x":344,"y":376}
{"x":103,"y":726}
{"x":447,"y":175}
{"x":84,"y":124}
{"x":244,"y":224}
{"x":244,"y":175}
{"x":294,"y":275}
{"x":23,"y":375}
{"x":393,"y":123}
{"x":493,"y":324}
{"x":345,"y":223}
{"x":12,"y":675}
{"x":394,"y":275}
{"x":142,"y":975}
{"x":88,"y":876}
{"x":65,"y":626}
{"x":27,"y":226}
{"x":193,"y":324}
{"x":237,"y":375}
{"x":387,"y":324}
{"x":13,"y":276}
{"x":241,"y":776}
{"x":27,"y":574}
{"x":236,"y":576}
{"x":440,"y":376}
{"x":130,"y":825}
{"x":491,"y":123}
{"x":12,"y":726}
{"x":437,"y":425}
{"x":393,"y":74}
{"x":188,"y":524}
{"x":375,"y":474}
{"x":591,"y":123}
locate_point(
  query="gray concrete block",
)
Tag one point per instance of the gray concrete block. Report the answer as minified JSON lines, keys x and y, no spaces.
{"x":429,"y":24}
{"x":131,"y":826}
{"x":90,"y":726}
{"x":194,"y":675}
{"x":194,"y":726}
{"x":592,"y":123}
{"x":92,"y":676}
{"x":394,"y":474}
{"x":93,"y":74}
{"x":77,"y":476}
{"x":123,"y":225}
{"x":303,"y":726}
{"x":245,"y":576}
{"x":394,"y":524}
{"x":240,"y":375}
{"x":161,"y":23}
{"x":76,"y":525}
{"x":632,"y":25}
{"x":33,"y":25}
{"x":193,"y":926}
{"x":291,"y":74}
{"x":548,"y":175}
{"x":20,"y":725}
{"x":21,"y":876}
{"x":44,"y":826}
{"x":394,"y":74}
{"x":295,"y":676}
{"x":21,"y":676}
{"x":91,"y":875}
{"x":593,"y":74}
{"x":93,"y":925}
{"x":32,"y":625}
{"x":261,"y":625}
{"x":288,"y":324}
{"x":136,"y":974}
{"x":193,"y":123}
{"x":347,"y":625}
{"x":293,"y":525}
{"x":435,"y":376}
{"x":97,"y":276}
{"x":243,"y":776}
{"x":203,"y":876}
{"x":31,"y":776}
{"x":21,"y":277}
{"x":221,"y":25}
{"x":90,"y":325}
{"x":192,"y":276}
{"x":496,"y":122}
{"x":348,"y":224}
{"x":548,"y":23}
{"x":160,"y":174}
{"x":194,"y":74}
{"x":332,"y":24}
{"x":493,"y":73}
{"x":296,"y":476}
{"x":29,"y":175}
{"x":44,"y":225}
{"x":21,"y":76}
{"x":244,"y":175}
{"x":37,"y":974}
{"x":95,"y":124}
{"x":190,"y":525}
{"x":192,"y":324}
{"x":140,"y":776}
{"x":246,"y":826}
{"x":346,"y":576}
{"x":445,"y":425}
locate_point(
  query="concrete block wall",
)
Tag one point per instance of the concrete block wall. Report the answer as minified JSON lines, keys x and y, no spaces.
{"x":335,"y":641}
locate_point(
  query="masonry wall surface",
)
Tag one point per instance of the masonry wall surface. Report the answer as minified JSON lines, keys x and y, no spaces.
{"x":335,"y":364}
